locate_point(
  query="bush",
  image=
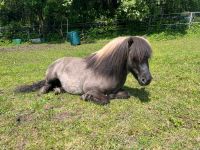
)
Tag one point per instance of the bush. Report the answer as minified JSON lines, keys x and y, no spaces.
{"x":4,"y":42}
{"x":13,"y":30}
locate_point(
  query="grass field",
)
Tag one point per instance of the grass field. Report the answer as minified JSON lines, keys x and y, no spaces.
{"x":164,"y":115}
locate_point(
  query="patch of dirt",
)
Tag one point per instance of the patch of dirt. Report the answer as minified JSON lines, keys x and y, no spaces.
{"x":22,"y":144}
{"x":62,"y":116}
{"x":29,"y":47}
{"x":48,"y":107}
{"x":24,"y":117}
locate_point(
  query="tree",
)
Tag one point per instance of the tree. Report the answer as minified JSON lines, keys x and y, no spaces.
{"x":133,"y":10}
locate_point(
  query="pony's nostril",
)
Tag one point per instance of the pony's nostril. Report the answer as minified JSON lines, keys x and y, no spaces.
{"x":143,"y":80}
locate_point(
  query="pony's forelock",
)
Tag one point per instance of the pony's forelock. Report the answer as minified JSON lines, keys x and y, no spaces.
{"x":141,"y":49}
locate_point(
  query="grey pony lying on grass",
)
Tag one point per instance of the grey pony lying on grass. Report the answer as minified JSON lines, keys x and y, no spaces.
{"x":100,"y":76}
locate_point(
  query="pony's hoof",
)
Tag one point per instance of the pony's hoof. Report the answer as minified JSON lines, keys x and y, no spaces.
{"x":102,"y":101}
{"x":86,"y":97}
{"x":57,"y":91}
{"x":42,"y":90}
{"x":122,"y":95}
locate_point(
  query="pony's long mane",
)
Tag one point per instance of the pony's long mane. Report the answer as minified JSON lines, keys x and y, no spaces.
{"x":112,"y":58}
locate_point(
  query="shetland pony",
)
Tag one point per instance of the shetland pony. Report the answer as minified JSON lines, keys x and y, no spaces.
{"x":100,"y":76}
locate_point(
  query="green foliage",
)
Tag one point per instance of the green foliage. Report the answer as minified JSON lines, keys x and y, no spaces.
{"x":194,"y":30}
{"x":107,"y":30}
{"x":174,"y":6}
{"x":158,"y":7}
{"x":44,"y":17}
{"x":4,"y":42}
{"x":176,"y":122}
{"x":173,"y":34}
{"x":13,"y":30}
{"x":54,"y":37}
{"x":133,"y":10}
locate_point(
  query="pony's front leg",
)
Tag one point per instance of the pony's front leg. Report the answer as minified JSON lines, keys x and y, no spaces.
{"x":96,"y":97}
{"x":121,"y":94}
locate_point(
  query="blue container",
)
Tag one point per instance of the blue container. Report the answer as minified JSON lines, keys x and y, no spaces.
{"x":17,"y":41}
{"x":74,"y":38}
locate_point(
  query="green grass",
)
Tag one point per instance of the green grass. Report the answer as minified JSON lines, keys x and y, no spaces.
{"x":164,"y":115}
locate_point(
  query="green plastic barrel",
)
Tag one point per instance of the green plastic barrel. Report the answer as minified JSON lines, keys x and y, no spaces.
{"x":16,"y":41}
{"x":74,"y":38}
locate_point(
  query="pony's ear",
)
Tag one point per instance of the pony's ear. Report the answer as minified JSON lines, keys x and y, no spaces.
{"x":130,"y":41}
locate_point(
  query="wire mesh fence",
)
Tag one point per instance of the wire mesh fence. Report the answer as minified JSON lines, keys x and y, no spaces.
{"x":173,"y":21}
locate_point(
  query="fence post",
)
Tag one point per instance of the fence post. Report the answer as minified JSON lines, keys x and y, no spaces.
{"x":67,"y":29}
{"x":190,"y":19}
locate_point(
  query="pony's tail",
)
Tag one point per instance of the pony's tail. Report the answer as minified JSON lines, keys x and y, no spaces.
{"x":30,"y":88}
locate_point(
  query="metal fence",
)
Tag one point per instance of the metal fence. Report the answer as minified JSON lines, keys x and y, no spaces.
{"x":175,"y":19}
{"x":163,"y":21}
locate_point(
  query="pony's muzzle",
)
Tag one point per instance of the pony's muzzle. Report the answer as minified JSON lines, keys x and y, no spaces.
{"x":145,"y":80}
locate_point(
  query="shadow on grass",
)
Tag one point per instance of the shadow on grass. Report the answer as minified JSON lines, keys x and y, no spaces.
{"x":142,"y":94}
